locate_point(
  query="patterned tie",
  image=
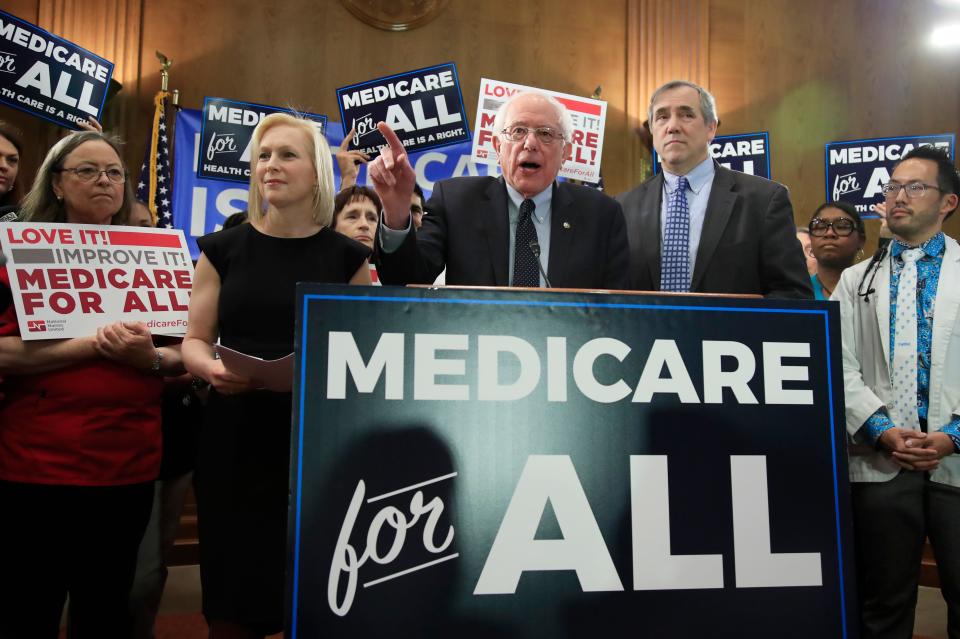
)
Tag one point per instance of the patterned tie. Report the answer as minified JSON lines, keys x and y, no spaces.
{"x":525,"y":269}
{"x":675,"y":256}
{"x":903,"y":376}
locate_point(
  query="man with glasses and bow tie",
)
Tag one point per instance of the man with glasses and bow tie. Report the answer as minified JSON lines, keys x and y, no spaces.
{"x":522,"y":229}
{"x":699,"y":227}
{"x":900,"y":315}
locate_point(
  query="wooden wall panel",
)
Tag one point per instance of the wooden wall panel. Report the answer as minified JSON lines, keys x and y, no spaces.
{"x":819,"y":71}
{"x":666,"y":40}
{"x":299,"y":52}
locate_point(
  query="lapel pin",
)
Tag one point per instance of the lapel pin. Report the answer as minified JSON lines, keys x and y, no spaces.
{"x":566,"y":225}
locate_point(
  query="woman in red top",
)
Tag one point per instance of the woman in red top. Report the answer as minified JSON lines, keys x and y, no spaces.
{"x":79,"y":431}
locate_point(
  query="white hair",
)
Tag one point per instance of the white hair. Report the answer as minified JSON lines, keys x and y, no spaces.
{"x":563,"y":116}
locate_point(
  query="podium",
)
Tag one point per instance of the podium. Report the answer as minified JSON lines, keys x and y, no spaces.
{"x":543,"y":463}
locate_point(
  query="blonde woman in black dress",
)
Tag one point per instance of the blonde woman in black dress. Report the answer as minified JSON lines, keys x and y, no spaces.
{"x":243,"y":294}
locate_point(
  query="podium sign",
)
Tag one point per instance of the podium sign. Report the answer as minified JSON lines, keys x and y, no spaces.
{"x":502,"y":463}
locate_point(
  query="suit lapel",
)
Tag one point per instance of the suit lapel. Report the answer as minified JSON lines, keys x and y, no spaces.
{"x":881,"y":287}
{"x":719,"y":208}
{"x":648,"y":231}
{"x":947,"y":306}
{"x":495,"y":221}
{"x":561,"y":237}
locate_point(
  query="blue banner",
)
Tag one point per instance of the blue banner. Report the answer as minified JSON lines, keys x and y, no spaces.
{"x":744,"y":152}
{"x":856,"y":169}
{"x":49,"y":77}
{"x":424,"y":108}
{"x":200,"y":205}
{"x":227,"y":133}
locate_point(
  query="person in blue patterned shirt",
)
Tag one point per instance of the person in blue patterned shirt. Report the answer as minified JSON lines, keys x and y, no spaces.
{"x":900,"y":315}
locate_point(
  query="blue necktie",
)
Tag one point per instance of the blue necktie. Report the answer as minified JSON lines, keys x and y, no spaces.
{"x":525,"y":270}
{"x":675,"y":254}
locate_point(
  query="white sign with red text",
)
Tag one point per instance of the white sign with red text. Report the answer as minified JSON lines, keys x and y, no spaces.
{"x":68,"y":280}
{"x":589,"y":117}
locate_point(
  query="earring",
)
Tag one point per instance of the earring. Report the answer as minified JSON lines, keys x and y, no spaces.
{"x":859,"y":255}
{"x":59,"y":199}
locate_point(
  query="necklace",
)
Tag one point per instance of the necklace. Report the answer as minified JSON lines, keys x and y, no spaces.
{"x":827,"y":292}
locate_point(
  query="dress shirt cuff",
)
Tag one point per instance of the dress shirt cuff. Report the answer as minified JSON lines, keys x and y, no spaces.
{"x":953,"y":430}
{"x":876,"y":425}
{"x":391,"y":239}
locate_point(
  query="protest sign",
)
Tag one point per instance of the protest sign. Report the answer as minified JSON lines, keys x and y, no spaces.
{"x":744,"y":152}
{"x":227,"y":133}
{"x":200,"y":205}
{"x":505,"y":463}
{"x":49,"y":77}
{"x":68,"y":280}
{"x":424,"y":107}
{"x":856,"y":169}
{"x":589,"y":117}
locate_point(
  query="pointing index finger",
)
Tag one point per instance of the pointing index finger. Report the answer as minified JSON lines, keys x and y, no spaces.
{"x":395,"y":144}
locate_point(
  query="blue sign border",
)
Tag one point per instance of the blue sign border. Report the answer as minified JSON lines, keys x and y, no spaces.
{"x":463,"y":106}
{"x":53,"y":36}
{"x":307,"y":298}
{"x":826,"y":153}
{"x":276,"y":109}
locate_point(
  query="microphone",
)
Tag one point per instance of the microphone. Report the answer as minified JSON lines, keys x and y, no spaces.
{"x":535,"y":249}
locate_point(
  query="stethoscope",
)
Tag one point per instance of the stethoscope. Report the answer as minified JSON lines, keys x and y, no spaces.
{"x":872,"y":268}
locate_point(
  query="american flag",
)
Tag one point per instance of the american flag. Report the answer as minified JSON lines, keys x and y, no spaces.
{"x":155,"y":187}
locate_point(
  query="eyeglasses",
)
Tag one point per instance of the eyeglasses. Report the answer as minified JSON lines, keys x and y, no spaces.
{"x":89,"y":174}
{"x":842,"y":226}
{"x":545,"y":134}
{"x":890,"y":190}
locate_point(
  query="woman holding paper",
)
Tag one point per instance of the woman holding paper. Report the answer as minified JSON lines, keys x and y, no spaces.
{"x":244,"y":295}
{"x":79,"y":431}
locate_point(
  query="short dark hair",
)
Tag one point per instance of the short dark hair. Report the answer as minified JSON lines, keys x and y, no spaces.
{"x":349,"y":194}
{"x":13,"y":135}
{"x":234,"y":220}
{"x":847,"y":208}
{"x":948,"y":180}
{"x":419,"y":192}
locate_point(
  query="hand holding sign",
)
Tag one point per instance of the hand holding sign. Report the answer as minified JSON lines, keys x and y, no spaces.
{"x":393,"y":179}
{"x":881,"y":211}
{"x":348,"y":162}
{"x":90,"y":124}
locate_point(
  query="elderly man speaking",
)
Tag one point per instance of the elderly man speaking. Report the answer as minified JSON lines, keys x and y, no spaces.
{"x":522,"y":229}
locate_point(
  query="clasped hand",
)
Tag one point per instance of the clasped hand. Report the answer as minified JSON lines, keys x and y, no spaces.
{"x":916,"y":450}
{"x":127,"y":343}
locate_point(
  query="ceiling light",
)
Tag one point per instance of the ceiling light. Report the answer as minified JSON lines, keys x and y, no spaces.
{"x":946,"y":36}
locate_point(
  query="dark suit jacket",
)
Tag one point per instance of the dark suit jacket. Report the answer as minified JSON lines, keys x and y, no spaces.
{"x":748,"y":243}
{"x":467,"y":229}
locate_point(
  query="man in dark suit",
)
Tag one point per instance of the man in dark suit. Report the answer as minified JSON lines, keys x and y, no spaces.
{"x":491,"y":232}
{"x":698,"y":227}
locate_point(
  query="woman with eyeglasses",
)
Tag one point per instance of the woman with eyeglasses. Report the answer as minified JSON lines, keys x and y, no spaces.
{"x":79,"y":431}
{"x":837,"y":236}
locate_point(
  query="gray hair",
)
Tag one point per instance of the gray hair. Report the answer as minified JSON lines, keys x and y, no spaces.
{"x":563,"y":116}
{"x":42,"y":205}
{"x":708,"y":104}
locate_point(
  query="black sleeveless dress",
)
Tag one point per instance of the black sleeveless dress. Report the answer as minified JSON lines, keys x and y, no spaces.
{"x":244,"y":453}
